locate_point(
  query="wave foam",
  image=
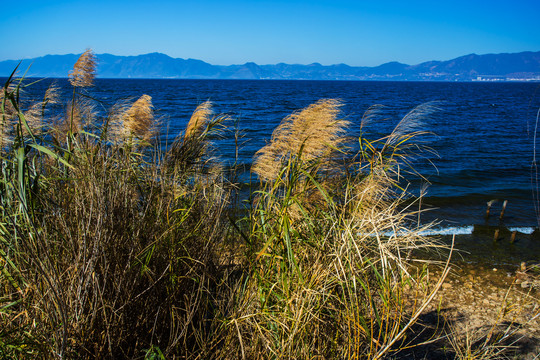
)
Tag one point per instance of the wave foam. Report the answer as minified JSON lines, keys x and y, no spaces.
{"x":467,"y":230}
{"x":525,"y":230}
{"x":453,"y":230}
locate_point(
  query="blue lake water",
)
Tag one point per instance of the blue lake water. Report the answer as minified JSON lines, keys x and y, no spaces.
{"x":484,"y":131}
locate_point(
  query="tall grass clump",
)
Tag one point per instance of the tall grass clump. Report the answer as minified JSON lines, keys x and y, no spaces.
{"x":328,"y":243}
{"x":107,"y":243}
{"x":114,"y":247}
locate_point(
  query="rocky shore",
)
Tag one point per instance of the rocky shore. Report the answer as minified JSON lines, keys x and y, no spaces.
{"x":489,"y":302}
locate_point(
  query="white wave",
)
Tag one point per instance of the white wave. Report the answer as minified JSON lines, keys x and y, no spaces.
{"x":466,"y":230}
{"x":453,"y":230}
{"x":525,"y":230}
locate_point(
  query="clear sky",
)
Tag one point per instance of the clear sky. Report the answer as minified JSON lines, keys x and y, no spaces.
{"x":359,"y":33}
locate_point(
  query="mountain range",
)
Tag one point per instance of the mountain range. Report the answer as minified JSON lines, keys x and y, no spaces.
{"x":491,"y":67}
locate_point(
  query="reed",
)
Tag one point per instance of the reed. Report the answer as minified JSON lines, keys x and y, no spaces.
{"x":7,"y":114}
{"x":84,"y":70}
{"x":327,"y":250}
{"x":192,"y":152}
{"x":133,"y":122}
{"x":199,"y":120}
{"x":313,"y":134}
{"x":102,"y":251}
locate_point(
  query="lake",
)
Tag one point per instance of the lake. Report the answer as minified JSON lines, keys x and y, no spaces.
{"x":483,"y":132}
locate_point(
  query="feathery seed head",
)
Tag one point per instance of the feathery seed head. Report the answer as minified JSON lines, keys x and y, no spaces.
{"x":4,"y":138}
{"x":312,"y":133}
{"x":79,"y":114}
{"x":116,"y":130}
{"x":371,"y":114}
{"x":33,"y":117}
{"x":7,"y":114}
{"x":199,"y":119}
{"x":412,"y":122}
{"x":139,"y":118}
{"x":74,"y":118}
{"x":35,"y":113}
{"x":52,"y":95}
{"x":84,"y":70}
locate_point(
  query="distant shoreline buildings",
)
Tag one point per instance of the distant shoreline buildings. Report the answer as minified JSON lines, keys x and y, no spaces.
{"x":505,"y":78}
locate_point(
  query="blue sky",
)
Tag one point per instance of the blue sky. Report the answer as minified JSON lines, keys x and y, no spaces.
{"x":360,"y":33}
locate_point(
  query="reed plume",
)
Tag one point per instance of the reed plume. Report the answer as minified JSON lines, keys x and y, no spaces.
{"x":193,"y":152}
{"x":35,"y":114}
{"x":116,"y":130}
{"x":33,"y":117}
{"x":4,"y":134}
{"x":79,"y":114}
{"x":85,"y":112}
{"x":199,"y":119}
{"x":313,"y":133}
{"x":9,"y":111}
{"x":74,"y":117}
{"x":84,"y":70}
{"x":138,"y":120}
{"x":52,"y":95}
{"x":411,"y":124}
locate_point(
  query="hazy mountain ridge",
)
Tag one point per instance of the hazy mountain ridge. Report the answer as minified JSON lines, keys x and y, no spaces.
{"x":515,"y":66}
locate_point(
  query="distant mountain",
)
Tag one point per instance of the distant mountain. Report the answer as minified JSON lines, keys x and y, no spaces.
{"x":524,"y":65}
{"x":490,"y":67}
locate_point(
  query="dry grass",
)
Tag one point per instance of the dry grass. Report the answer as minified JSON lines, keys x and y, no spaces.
{"x":133,"y":122}
{"x":504,"y":337}
{"x":24,"y":116}
{"x":199,"y":120}
{"x":79,"y":114}
{"x":84,"y":70}
{"x":139,"y":119}
{"x":328,"y":249}
{"x":314,"y":134}
{"x":104,"y":252}
{"x":9,"y":113}
{"x":192,"y":152}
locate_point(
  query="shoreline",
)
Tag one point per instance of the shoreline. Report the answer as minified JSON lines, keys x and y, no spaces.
{"x":486,"y":308}
{"x":490,"y":300}
{"x":491,"y":245}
